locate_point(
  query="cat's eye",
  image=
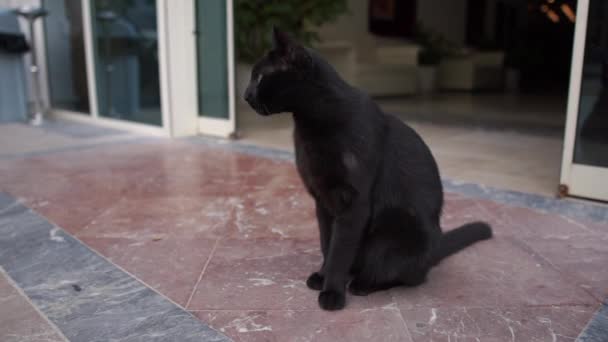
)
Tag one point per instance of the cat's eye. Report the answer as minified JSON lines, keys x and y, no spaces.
{"x":260,"y":76}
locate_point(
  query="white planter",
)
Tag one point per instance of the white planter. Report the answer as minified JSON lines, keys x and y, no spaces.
{"x":243,"y":74}
{"x":427,"y":79}
{"x":512,"y":77}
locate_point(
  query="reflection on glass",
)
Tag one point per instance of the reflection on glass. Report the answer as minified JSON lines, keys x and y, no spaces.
{"x":65,"y":55}
{"x":126,"y":58}
{"x":591,"y":145}
{"x":212,"y":58}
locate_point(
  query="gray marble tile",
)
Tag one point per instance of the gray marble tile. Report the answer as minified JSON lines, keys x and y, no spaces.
{"x":19,"y":320}
{"x":597,"y":329}
{"x":80,"y":130}
{"x":84,"y":295}
{"x":6,"y":201}
{"x":235,"y":145}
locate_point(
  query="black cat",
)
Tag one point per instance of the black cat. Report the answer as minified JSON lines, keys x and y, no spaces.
{"x":375,"y":183}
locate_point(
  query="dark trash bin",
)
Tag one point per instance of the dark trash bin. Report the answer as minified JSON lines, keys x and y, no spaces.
{"x":13,"y":86}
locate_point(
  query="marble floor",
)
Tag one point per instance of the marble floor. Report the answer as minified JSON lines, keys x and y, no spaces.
{"x":199,"y":239}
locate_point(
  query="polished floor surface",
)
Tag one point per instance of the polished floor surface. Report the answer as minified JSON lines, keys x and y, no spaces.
{"x":225,"y":232}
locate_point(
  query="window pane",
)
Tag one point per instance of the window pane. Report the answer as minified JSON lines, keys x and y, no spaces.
{"x":65,"y":55}
{"x":212,"y":58}
{"x":591,"y":146}
{"x":126,"y":60}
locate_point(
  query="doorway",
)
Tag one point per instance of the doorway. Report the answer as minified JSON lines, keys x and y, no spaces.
{"x":585,"y":158}
{"x":480,"y":130}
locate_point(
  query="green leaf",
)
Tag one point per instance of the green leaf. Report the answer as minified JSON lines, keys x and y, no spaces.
{"x":254,"y":20}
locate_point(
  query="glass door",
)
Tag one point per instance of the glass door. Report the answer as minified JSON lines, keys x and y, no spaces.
{"x":585,"y":160}
{"x":215,"y":67}
{"x":126,"y":60}
{"x":65,"y":54}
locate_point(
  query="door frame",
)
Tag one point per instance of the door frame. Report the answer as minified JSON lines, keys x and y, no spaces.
{"x":178,"y":63}
{"x":578,"y":179}
{"x":217,"y":126}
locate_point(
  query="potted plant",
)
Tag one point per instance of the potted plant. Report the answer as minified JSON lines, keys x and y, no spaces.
{"x":255,"y":19}
{"x":433,"y":46}
{"x":514,"y":62}
{"x":428,"y":61}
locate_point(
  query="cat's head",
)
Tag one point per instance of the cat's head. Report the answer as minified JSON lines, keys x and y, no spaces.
{"x":276,"y":77}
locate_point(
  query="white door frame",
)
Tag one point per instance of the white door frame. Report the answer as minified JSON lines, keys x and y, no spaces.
{"x":577,"y":179}
{"x":178,"y":63}
{"x":216,"y":126}
{"x":177,"y":58}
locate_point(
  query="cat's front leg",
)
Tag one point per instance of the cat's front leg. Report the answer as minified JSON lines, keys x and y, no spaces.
{"x":346,"y":234}
{"x":325,"y":220}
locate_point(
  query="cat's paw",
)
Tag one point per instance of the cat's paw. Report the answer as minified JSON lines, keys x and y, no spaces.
{"x":315,"y":281}
{"x":357,"y":288}
{"x":331,"y":300}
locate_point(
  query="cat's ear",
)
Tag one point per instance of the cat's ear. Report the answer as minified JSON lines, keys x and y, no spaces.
{"x":282,"y":42}
{"x":291,"y":52}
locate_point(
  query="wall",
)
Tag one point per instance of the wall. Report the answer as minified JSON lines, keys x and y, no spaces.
{"x":447,"y":17}
{"x":352,"y":27}
{"x":491,"y":6}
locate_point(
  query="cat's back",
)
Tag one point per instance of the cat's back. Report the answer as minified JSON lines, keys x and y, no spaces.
{"x":409,"y":171}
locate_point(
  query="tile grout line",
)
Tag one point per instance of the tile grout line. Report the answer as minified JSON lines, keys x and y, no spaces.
{"x":394,"y":301}
{"x":29,"y":301}
{"x":120,"y":268}
{"x":23,"y":202}
{"x":89,"y":222}
{"x":200,"y":277}
{"x":110,"y":262}
{"x":589,"y":325}
{"x":75,"y":237}
{"x":407,"y":329}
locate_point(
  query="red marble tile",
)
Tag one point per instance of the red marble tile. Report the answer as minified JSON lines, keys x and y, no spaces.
{"x":230,"y":177}
{"x":514,"y":221}
{"x":157,"y":208}
{"x":164,"y":217}
{"x":171,"y":266}
{"x":258,"y":274}
{"x":584,"y":259}
{"x":264,"y":274}
{"x":553,"y":323}
{"x":271,"y":214}
{"x":198,"y":170}
{"x":377,"y":324}
{"x":459,"y":210}
{"x":525,"y":222}
{"x":72,"y":197}
{"x":493,"y":273}
{"x":19,"y":320}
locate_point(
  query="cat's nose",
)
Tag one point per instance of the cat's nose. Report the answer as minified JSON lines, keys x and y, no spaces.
{"x":248,"y":95}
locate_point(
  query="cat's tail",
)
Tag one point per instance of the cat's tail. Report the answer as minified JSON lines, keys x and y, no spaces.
{"x":457,"y":239}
